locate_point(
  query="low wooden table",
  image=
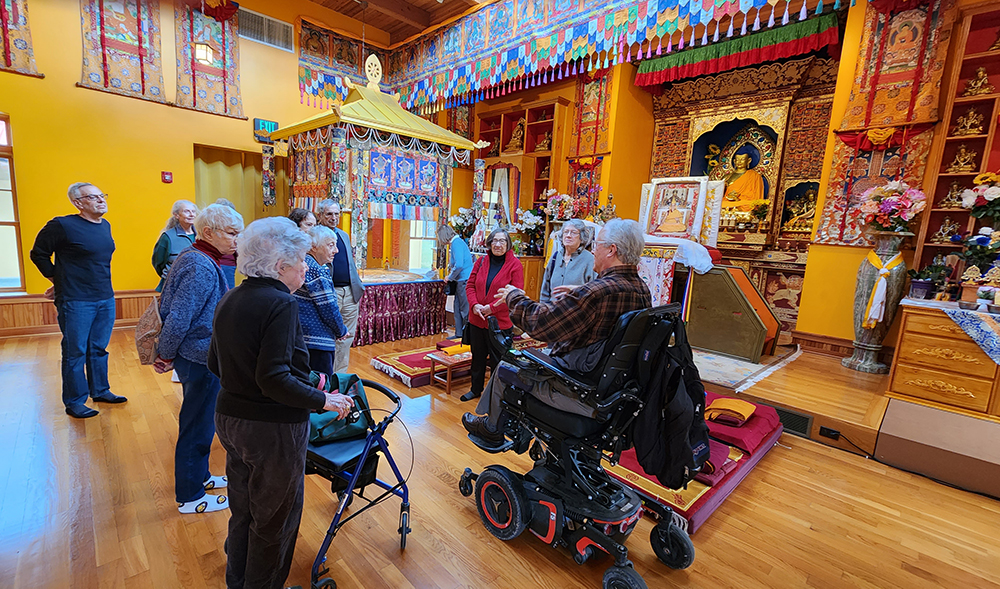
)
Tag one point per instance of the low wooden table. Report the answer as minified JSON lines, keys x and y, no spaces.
{"x":448,"y":364}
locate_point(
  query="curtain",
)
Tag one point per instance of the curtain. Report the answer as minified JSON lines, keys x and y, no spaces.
{"x":236,"y":176}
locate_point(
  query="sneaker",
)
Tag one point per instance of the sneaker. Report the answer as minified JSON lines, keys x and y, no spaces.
{"x":216,"y":483}
{"x":206,"y":504}
{"x":81,"y":412}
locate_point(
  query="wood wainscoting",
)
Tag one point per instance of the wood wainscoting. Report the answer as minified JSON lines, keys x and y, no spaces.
{"x":835,"y":346}
{"x":35,"y":314}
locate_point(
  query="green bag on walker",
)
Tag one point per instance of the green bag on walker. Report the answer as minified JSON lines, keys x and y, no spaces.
{"x":325,"y":427}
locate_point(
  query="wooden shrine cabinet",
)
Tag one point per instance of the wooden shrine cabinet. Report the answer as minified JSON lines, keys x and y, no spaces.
{"x":937,"y":364}
{"x":972,"y":39}
{"x":534,"y":267}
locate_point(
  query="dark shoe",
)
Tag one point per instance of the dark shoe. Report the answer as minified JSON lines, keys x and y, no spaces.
{"x":110,"y":398}
{"x":470,"y":396}
{"x":477,"y":426}
{"x":81,"y":412}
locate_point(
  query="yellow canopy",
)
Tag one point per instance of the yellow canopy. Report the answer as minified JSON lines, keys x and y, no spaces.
{"x":367,"y":107}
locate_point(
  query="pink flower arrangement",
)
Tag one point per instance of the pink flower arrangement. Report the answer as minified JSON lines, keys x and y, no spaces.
{"x":891,"y":207}
{"x":984,"y":197}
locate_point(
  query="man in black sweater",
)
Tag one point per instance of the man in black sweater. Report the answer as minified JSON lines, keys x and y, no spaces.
{"x":85,"y":300}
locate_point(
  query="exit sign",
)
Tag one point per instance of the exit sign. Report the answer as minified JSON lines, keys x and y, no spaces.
{"x":261,"y":129}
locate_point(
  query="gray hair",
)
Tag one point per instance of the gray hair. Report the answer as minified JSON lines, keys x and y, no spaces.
{"x":445,"y":234}
{"x":626,"y":236}
{"x":74,"y":189}
{"x":268,"y":244}
{"x":321,"y":234}
{"x":218,"y":217}
{"x":489,"y":239}
{"x":586,"y":232}
{"x":225,"y":202}
{"x":172,"y":221}
{"x":325,"y":204}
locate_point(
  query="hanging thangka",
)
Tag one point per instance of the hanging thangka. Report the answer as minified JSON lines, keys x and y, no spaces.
{"x":18,"y":55}
{"x":402,"y":185}
{"x":208,"y":60}
{"x":121,"y":47}
{"x":267,"y":180}
{"x":590,"y":129}
{"x":460,"y":120}
{"x":585,"y":183}
{"x":310,"y":162}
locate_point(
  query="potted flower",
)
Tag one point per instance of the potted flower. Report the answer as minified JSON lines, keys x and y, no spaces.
{"x":928,"y":279}
{"x":981,"y":251}
{"x":531,"y":223}
{"x":983,"y":199}
{"x":887,"y":211}
{"x":464,"y":223}
{"x":560,"y":207}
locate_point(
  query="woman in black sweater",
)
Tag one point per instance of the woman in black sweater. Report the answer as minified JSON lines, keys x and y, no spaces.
{"x":262,"y":414}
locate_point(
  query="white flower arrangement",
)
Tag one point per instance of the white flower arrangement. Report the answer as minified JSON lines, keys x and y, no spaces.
{"x":529,"y":222}
{"x":464,"y":223}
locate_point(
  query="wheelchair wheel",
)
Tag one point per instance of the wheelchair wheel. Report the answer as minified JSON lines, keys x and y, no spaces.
{"x":501,"y":502}
{"x":672,"y":545}
{"x":623,"y":578}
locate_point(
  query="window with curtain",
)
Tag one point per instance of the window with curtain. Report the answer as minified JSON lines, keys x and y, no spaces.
{"x":11,"y":269}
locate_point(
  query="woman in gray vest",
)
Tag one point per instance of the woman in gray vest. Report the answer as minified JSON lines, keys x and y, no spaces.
{"x":177,"y":235}
{"x":571,"y":264}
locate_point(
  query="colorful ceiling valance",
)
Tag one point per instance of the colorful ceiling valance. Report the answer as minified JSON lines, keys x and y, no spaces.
{"x":325,"y":57}
{"x":18,"y":55}
{"x":794,"y":39}
{"x":121,"y":47}
{"x":208,"y":60}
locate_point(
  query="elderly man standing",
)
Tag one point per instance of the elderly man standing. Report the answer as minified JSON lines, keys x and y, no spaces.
{"x":85,"y":300}
{"x":576,"y":322}
{"x":346,"y":282}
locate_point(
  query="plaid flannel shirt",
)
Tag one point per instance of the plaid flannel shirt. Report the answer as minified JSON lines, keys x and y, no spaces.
{"x":585,"y":315}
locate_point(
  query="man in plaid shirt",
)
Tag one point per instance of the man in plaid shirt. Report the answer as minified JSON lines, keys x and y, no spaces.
{"x":576,"y":322}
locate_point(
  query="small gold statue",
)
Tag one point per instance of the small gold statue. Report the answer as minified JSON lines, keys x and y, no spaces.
{"x":971,"y":123}
{"x":980,"y":84}
{"x":544,"y":174}
{"x":996,"y":44}
{"x":972,"y":274}
{"x":953,"y":200}
{"x":803,"y":212}
{"x":494,"y":150}
{"x":965,"y":161}
{"x":516,"y":142}
{"x":992,"y":276}
{"x":947,"y":229}
{"x":546,"y":142}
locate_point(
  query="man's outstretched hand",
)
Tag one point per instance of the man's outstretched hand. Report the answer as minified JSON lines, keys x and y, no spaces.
{"x":503,"y":292}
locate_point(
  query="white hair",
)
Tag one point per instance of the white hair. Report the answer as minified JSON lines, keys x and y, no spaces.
{"x":327,"y":203}
{"x":321,"y":234}
{"x":172,"y":221}
{"x":626,"y":236}
{"x":219,"y":217}
{"x":269,"y":244}
{"x":74,"y":189}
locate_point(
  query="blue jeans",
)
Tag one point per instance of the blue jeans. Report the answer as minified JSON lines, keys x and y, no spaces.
{"x":86,"y":328}
{"x":461,"y":307}
{"x":197,"y":428}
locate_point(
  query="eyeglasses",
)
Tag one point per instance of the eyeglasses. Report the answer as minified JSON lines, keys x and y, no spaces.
{"x":103,"y":197}
{"x":499,"y":241}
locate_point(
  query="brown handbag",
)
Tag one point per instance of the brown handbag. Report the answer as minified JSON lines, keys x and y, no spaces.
{"x":147,"y":333}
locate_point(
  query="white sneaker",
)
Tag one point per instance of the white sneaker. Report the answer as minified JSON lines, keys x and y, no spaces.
{"x":207,"y":504}
{"x":216,"y":483}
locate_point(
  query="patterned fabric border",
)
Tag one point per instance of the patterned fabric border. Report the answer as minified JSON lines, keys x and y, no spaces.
{"x":208,"y":62}
{"x":121,"y":47}
{"x":18,"y":55}
{"x":983,"y":328}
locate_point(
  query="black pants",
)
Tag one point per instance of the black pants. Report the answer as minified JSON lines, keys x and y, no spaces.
{"x":266,"y":466}
{"x":481,"y":355}
{"x":321,"y":360}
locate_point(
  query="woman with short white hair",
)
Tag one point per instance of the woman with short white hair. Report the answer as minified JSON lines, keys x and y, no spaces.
{"x":259,"y":354}
{"x":176,"y":236}
{"x":192,"y":290}
{"x":322,"y":324}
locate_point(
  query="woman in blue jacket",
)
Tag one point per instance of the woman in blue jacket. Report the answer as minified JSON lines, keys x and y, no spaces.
{"x":322,"y":324}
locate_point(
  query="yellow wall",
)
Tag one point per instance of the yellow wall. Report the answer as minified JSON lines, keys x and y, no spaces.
{"x":65,"y":134}
{"x":827,"y":305}
{"x":631,"y":125}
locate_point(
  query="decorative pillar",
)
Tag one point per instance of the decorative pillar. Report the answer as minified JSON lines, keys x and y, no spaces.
{"x":338,"y":166}
{"x":359,"y":206}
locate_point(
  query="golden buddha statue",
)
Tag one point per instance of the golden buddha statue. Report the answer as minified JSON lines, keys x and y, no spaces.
{"x":971,"y":123}
{"x":544,"y":174}
{"x":965,"y":161}
{"x":516,"y":142}
{"x":953,"y":200}
{"x":744,"y":185}
{"x":979,"y":84}
{"x":545,"y":144}
{"x":947,"y":229}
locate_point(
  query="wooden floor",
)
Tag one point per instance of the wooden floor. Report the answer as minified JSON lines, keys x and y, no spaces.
{"x":90,"y":504}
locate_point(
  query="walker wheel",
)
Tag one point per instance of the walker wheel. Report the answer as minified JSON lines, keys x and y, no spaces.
{"x":672,"y":545}
{"x":465,"y":483}
{"x":325,"y":583}
{"x":404,"y":528}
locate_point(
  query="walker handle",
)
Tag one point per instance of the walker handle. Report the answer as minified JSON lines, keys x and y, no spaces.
{"x":369,"y":384}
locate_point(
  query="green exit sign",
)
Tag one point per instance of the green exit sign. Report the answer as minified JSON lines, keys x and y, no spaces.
{"x":262,"y":129}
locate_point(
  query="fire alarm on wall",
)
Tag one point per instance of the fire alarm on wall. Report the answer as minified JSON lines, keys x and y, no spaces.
{"x":167,"y":177}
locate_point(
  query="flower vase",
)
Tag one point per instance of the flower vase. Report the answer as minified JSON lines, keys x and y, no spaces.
{"x":868,"y":341}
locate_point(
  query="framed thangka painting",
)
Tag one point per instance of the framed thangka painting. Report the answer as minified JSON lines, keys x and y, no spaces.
{"x":674,"y":207}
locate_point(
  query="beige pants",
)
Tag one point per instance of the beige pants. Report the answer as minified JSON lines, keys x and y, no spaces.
{"x":349,"y":311}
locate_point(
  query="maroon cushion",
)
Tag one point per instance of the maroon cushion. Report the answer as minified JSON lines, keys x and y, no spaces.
{"x":715,"y":253}
{"x":447,"y":343}
{"x":750,"y":435}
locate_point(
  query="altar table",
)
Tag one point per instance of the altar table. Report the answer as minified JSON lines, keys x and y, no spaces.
{"x":392,"y":311}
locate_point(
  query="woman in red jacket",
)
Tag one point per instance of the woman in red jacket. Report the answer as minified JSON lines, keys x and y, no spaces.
{"x":490,"y":273}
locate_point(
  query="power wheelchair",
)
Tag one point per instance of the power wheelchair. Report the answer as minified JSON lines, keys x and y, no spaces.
{"x":568,"y":499}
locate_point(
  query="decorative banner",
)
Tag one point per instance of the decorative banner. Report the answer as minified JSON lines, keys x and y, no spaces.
{"x":402,"y":185}
{"x":360,"y":163}
{"x":311,"y":164}
{"x":445,"y":179}
{"x":121,"y":47}
{"x":478,"y":182}
{"x":460,"y":121}
{"x":325,"y":57}
{"x":208,"y":62}
{"x":267,"y":175}
{"x":590,"y":129}
{"x":338,"y":160}
{"x":18,"y":55}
